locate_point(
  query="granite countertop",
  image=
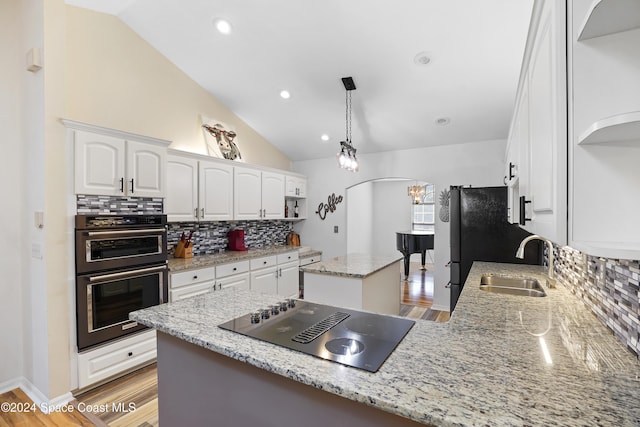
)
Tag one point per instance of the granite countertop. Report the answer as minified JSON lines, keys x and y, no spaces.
{"x":307,"y":252}
{"x":201,"y":261}
{"x":352,"y":265}
{"x":484,"y":367}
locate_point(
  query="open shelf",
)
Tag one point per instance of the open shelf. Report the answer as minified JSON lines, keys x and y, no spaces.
{"x":609,"y":17}
{"x":623,"y":127}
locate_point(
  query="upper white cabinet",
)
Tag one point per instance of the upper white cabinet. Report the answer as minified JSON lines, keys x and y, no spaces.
{"x":258,"y":194}
{"x":181,"y":203}
{"x":215,"y":191}
{"x":296,"y":186}
{"x":604,"y":132}
{"x":114,"y":163}
{"x":198,"y":189}
{"x":540,"y":126}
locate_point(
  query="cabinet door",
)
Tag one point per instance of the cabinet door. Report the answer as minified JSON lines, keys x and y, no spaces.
{"x":247,"y":193}
{"x":548,"y":127}
{"x":238,"y":281}
{"x":265,"y":280}
{"x":216,"y":191}
{"x":288,"y":279}
{"x":181,"y":202}
{"x":190,"y":291}
{"x":99,"y":164}
{"x":291,"y":185}
{"x":145,"y":169}
{"x":272,"y":195}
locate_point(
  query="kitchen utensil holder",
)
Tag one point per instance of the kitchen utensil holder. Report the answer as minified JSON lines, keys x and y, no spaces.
{"x":182,"y":252}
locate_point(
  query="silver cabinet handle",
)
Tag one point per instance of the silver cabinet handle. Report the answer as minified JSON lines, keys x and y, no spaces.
{"x":202,"y":213}
{"x":195,"y":213}
{"x":126,"y":273}
{"x":276,"y":273}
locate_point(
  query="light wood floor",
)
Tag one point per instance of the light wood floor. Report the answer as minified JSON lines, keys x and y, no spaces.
{"x":33,"y":416}
{"x":140,"y":388}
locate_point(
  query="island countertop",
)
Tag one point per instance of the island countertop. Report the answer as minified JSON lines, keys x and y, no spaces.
{"x":352,"y":265}
{"x":484,"y":367}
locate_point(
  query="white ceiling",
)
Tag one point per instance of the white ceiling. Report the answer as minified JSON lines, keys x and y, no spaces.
{"x":306,"y":46}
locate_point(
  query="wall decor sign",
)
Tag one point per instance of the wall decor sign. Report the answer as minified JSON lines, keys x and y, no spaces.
{"x":330,"y":206}
{"x":220,"y":140}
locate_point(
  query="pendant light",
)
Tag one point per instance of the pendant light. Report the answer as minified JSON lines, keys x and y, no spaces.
{"x":347,"y":154}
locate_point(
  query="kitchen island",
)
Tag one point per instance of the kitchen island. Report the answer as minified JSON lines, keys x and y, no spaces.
{"x":360,"y":281}
{"x":486,"y":366}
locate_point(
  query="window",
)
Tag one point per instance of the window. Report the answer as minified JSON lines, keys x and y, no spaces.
{"x":424,"y":212}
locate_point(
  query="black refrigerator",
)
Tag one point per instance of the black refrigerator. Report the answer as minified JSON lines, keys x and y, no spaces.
{"x":480,"y":231}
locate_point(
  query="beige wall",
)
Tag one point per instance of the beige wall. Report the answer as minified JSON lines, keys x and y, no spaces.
{"x":115,"y":79}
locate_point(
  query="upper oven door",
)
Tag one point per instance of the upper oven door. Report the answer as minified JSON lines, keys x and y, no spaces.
{"x":98,"y":250}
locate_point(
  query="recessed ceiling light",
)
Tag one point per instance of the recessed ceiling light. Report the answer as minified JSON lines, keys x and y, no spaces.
{"x":443,"y":121}
{"x":422,"y":58}
{"x":223,"y":26}
{"x":285,"y":94}
{"x":324,"y":137}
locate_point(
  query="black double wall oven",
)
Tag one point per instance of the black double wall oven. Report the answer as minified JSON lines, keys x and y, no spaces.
{"x":121,"y":266}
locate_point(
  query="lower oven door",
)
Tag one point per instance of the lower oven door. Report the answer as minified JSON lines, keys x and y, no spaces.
{"x":104,"y":301}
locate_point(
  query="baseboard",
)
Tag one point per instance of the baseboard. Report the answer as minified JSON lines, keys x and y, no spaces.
{"x":440,"y":307}
{"x":10,"y":385}
{"x":35,"y":394}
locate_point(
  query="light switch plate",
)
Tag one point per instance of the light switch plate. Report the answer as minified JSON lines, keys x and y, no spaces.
{"x":335,"y":228}
{"x":36,"y":250}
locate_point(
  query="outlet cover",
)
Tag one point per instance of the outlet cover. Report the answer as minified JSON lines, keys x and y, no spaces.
{"x":335,"y":228}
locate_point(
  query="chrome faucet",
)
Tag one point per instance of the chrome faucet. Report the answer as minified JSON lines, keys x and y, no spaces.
{"x":551,"y":282}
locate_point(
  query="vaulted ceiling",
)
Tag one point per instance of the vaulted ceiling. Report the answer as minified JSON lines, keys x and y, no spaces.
{"x":472,"y":48}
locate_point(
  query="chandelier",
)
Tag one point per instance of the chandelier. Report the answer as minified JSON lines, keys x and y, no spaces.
{"x":347,"y":154}
{"x":416,"y":192}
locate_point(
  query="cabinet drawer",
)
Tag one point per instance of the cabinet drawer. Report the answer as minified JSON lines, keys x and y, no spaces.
{"x":225,"y":270}
{"x":310,"y":260}
{"x":191,"y":277}
{"x":189,"y":291}
{"x":239,"y":281}
{"x":104,"y":362}
{"x":287,"y":257}
{"x":268,"y":261}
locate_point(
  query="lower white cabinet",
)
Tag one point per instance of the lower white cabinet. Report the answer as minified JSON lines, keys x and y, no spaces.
{"x":112,"y":359}
{"x":189,"y":283}
{"x":237,"y":281}
{"x":265,"y":280}
{"x":288,"y":279}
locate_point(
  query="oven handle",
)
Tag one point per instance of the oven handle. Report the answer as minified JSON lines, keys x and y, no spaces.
{"x":125,"y":273}
{"x":139,"y":231}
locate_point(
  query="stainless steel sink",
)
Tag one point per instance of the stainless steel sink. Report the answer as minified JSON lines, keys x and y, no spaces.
{"x":524,"y":286}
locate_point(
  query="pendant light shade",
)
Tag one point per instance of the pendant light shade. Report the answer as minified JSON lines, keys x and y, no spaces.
{"x":347,"y":154}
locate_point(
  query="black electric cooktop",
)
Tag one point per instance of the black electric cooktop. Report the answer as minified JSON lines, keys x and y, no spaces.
{"x":350,"y":337}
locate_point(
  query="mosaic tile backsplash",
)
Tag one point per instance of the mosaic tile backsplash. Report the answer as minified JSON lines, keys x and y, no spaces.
{"x":118,"y":205}
{"x":211,"y":237}
{"x":609,"y":287}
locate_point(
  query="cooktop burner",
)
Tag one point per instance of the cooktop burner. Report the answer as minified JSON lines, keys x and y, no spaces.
{"x":350,"y":337}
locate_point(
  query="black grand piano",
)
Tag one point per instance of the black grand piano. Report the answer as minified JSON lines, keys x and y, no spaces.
{"x":413,"y":242}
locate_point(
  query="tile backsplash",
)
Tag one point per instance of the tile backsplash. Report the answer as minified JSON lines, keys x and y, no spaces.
{"x":118,"y":205}
{"x":208,"y":237}
{"x":211,"y":237}
{"x":609,"y":287}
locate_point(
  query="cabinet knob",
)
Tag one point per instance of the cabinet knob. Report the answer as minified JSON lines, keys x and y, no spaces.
{"x":235,"y":268}
{"x":195,"y":277}
{"x":264,"y":262}
{"x":130,"y":354}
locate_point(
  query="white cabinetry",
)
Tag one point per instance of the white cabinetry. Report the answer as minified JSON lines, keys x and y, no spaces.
{"x":189,"y":283}
{"x":258,"y":194}
{"x":296,"y":186}
{"x":264,"y":274}
{"x":198,"y":189}
{"x":112,"y":359}
{"x":540,"y":126}
{"x":233,"y":275}
{"x":181,"y":203}
{"x":604,"y":133}
{"x":114,"y":163}
{"x":276,"y":274}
